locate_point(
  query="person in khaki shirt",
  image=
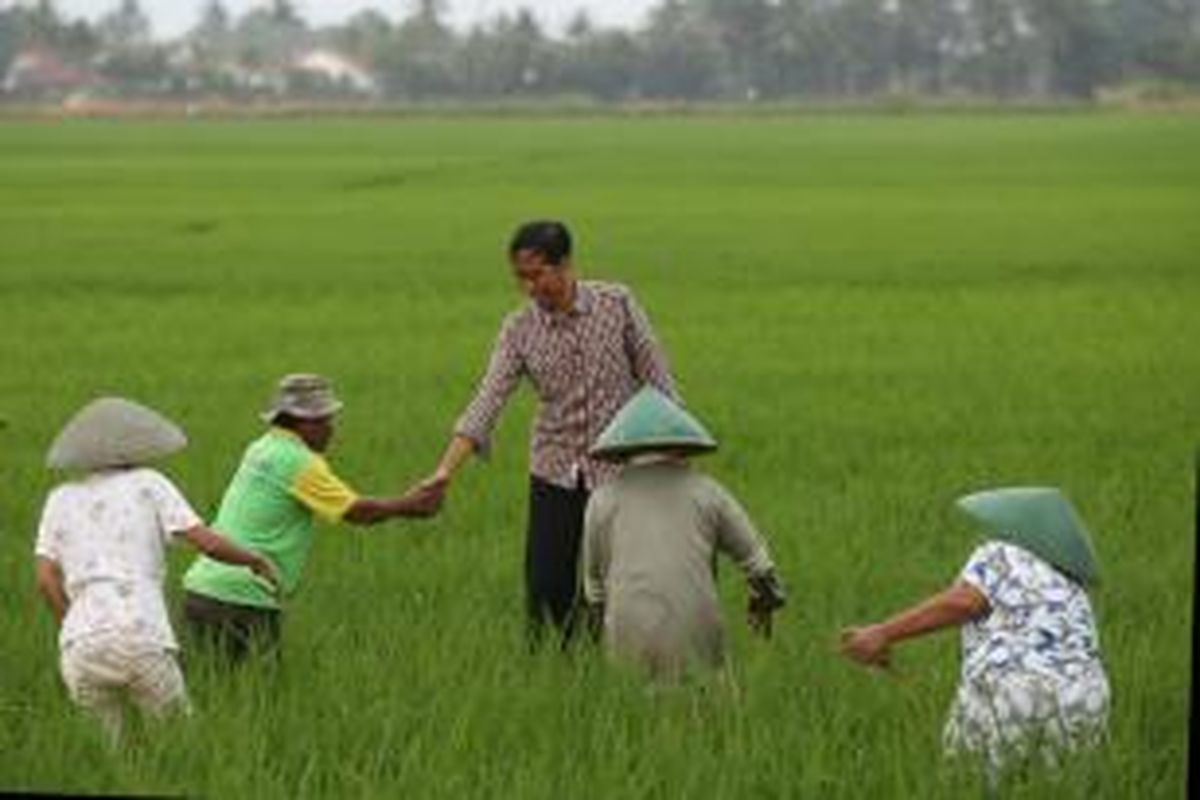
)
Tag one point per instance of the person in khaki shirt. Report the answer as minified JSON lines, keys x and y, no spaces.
{"x":651,"y":537}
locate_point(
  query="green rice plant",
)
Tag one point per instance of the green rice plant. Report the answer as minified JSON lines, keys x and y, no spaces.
{"x":873,"y":315}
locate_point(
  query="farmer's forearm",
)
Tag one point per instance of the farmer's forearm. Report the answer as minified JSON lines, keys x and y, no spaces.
{"x":216,"y":546}
{"x":423,"y":501}
{"x":955,"y":606}
{"x":50,"y":586}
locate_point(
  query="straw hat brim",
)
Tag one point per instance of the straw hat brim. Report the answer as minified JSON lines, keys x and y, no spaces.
{"x":301,"y":413}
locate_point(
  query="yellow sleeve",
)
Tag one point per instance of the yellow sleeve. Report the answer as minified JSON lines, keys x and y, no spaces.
{"x":325,"y":493}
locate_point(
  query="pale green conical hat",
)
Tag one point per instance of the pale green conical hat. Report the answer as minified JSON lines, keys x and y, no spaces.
{"x":1042,"y":521}
{"x":114,"y":432}
{"x":651,"y":421}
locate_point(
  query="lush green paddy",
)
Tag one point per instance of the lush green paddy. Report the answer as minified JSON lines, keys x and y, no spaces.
{"x":873,"y":314}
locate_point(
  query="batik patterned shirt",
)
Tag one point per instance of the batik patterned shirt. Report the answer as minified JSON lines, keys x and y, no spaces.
{"x":1040,"y":621}
{"x":584,"y":364}
{"x":107,"y":532}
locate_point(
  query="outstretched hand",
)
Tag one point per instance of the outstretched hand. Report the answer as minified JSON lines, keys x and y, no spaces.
{"x":438,"y":480}
{"x":867,"y":645}
{"x":425,"y":498}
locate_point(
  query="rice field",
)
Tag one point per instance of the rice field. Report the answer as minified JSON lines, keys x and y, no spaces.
{"x":873,"y":315}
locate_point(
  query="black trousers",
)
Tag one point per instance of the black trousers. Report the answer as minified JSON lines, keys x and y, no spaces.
{"x":236,"y":631}
{"x":552,"y":546}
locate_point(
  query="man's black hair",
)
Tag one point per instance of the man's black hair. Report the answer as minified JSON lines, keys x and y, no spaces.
{"x":283,"y":419}
{"x":548,"y":238}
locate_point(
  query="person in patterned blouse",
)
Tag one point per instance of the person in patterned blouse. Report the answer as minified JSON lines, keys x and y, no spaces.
{"x":1031,"y":678}
{"x":587,"y":347}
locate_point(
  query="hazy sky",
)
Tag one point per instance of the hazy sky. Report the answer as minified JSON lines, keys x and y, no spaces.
{"x":172,"y":17}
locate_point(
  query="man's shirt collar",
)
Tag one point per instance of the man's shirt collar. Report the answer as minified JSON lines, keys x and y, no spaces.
{"x":585,"y":300}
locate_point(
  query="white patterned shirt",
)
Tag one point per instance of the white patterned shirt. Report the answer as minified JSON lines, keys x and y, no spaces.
{"x":1040,"y":622}
{"x":107,"y":532}
{"x":584,"y":364}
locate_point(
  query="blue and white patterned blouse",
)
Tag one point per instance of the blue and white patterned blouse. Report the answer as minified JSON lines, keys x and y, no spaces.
{"x":1041,"y":621}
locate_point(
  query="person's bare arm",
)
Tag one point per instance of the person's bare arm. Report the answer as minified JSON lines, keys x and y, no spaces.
{"x":50,"y":585}
{"x":423,"y":500}
{"x":218,"y":547}
{"x":871,"y":644}
{"x":459,"y":450}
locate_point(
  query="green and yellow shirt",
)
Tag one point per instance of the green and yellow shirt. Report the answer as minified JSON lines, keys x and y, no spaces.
{"x":269,"y":508}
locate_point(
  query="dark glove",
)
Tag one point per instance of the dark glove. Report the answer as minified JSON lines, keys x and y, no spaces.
{"x":766,"y":597}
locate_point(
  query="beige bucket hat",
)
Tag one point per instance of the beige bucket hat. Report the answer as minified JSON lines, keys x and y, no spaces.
{"x":114,"y":432}
{"x":303,"y":395}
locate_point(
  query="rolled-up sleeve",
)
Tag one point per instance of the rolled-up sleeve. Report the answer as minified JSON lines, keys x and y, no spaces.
{"x":645,"y":354}
{"x":318,"y":488}
{"x":503,"y":371}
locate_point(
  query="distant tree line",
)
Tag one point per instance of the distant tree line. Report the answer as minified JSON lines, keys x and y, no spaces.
{"x":685,"y":50}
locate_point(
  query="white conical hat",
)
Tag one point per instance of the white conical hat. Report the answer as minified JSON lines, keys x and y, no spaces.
{"x":113,"y":432}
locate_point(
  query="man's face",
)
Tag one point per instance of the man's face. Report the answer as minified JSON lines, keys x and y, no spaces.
{"x":316,"y":433}
{"x":545,"y":284}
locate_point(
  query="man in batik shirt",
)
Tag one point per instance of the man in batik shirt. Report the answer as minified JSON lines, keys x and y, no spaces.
{"x":586,"y":346}
{"x":1031,"y":669}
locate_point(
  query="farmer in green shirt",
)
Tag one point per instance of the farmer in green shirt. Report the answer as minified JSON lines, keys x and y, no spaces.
{"x":281,"y":484}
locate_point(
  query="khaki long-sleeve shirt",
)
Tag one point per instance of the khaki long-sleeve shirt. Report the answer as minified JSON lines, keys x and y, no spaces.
{"x":650,"y":541}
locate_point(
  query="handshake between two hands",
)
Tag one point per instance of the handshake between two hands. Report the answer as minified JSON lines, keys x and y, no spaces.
{"x":422,"y":499}
{"x":425,"y":498}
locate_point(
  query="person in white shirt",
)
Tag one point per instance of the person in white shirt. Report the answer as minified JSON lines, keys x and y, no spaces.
{"x":100,"y":560}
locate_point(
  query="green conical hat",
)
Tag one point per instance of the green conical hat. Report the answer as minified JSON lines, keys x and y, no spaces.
{"x":1041,"y":520}
{"x":651,"y":421}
